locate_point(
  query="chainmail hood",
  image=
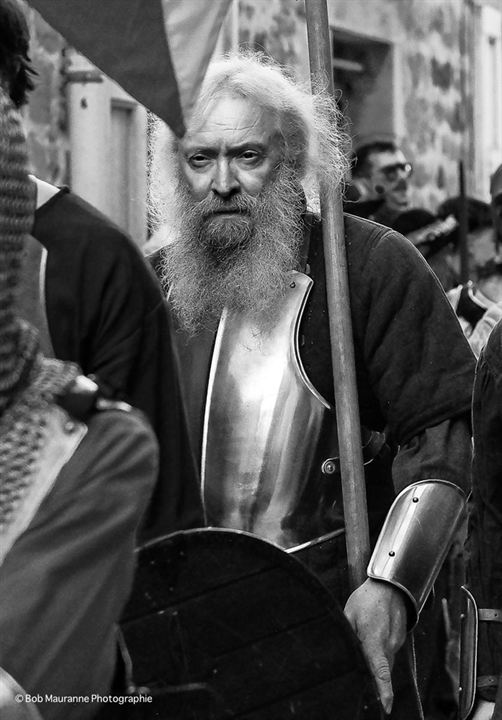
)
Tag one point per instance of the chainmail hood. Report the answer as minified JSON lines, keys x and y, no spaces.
{"x":28,"y":382}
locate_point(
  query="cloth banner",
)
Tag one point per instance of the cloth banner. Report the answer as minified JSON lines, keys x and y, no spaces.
{"x":157,"y":50}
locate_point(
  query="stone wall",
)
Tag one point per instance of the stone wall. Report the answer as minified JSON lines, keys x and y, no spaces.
{"x":437,"y":110}
{"x":421,"y":94}
{"x":429,"y":109}
{"x":45,"y":116}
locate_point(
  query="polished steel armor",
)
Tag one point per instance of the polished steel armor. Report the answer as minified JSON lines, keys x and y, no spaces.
{"x":469,"y":679}
{"x":468,"y":667}
{"x":416,"y":537}
{"x":267,"y":432}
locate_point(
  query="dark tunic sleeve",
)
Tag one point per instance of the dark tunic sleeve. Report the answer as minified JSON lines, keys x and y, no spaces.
{"x":414,"y":366}
{"x":484,"y":544}
{"x":107,"y":313}
{"x":420,"y":366}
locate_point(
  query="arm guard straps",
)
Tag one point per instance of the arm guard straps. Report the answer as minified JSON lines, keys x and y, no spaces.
{"x":416,"y":537}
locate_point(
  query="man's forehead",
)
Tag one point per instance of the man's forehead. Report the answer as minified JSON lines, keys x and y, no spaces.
{"x":230,"y":121}
{"x":384,"y":158}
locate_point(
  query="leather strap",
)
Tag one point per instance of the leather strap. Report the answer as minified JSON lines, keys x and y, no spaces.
{"x":490,"y":615}
{"x":490,"y":681}
{"x":487,"y":681}
{"x":373,"y":445}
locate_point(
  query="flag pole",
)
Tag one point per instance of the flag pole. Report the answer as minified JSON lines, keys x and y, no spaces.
{"x":340,"y":324}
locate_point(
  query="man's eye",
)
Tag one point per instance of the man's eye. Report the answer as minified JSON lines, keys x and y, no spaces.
{"x":250,"y":156}
{"x":198,"y":160}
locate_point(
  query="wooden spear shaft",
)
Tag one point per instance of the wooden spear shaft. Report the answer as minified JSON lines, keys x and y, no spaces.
{"x":340,"y":325}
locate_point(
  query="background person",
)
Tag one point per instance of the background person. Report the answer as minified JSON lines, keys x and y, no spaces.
{"x":74,"y":482}
{"x":381,"y":170}
{"x":94,"y":301}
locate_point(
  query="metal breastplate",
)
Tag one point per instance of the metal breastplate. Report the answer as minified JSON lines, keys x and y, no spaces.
{"x":267,"y":431}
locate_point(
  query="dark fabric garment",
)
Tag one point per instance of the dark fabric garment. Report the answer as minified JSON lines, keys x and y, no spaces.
{"x":385,"y":215}
{"x":467,"y":308}
{"x":484,"y":543}
{"x":414,"y":367}
{"x":106,"y":312}
{"x":442,"y":263}
{"x":66,"y":579}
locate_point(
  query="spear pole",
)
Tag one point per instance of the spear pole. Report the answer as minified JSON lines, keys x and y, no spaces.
{"x":340,"y":324}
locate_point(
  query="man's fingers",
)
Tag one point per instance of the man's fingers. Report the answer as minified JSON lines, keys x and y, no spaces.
{"x":377,"y":613}
{"x":381,"y":672}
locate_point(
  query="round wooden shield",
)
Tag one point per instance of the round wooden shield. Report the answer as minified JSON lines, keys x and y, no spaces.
{"x":12,"y":703}
{"x":222,"y":625}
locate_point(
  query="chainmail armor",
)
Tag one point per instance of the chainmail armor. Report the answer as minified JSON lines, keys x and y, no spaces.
{"x":28,"y":381}
{"x":23,"y":432}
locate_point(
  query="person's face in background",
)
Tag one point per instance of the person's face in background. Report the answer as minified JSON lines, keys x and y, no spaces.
{"x":390,"y":178}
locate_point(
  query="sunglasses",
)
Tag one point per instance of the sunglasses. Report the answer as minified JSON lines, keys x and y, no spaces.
{"x":391,"y":172}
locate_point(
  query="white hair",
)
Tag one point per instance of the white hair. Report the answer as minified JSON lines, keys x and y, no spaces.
{"x":314,"y":145}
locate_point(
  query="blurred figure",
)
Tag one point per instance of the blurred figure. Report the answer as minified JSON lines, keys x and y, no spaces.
{"x":477,"y":302}
{"x":496,"y":205}
{"x":482,"y":641}
{"x":381,"y":171}
{"x":76,"y":473}
{"x":435,"y":238}
{"x":480,"y":239}
{"x":95,"y":301}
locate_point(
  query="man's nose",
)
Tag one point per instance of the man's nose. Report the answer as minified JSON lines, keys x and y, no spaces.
{"x":225,"y":181}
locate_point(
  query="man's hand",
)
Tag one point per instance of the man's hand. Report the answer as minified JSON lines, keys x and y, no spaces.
{"x":377,"y":612}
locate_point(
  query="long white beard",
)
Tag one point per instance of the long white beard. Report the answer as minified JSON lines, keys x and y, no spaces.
{"x":240,"y":261}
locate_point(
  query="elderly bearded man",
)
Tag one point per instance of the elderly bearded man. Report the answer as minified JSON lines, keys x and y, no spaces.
{"x":246,"y":268}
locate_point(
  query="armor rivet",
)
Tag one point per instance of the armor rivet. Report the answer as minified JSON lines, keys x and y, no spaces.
{"x":328,"y":467}
{"x":415,"y":499}
{"x":392,"y":553}
{"x":292,"y":285}
{"x":215,"y":671}
{"x":69,"y":427}
{"x":462,"y":616}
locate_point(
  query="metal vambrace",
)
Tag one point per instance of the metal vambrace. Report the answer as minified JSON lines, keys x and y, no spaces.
{"x":469,"y":679}
{"x":415,"y":539}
